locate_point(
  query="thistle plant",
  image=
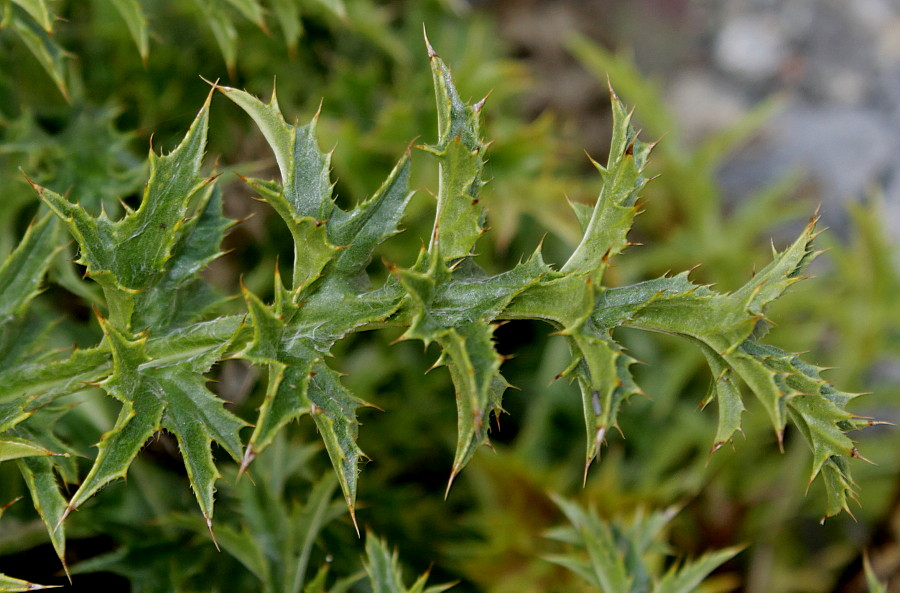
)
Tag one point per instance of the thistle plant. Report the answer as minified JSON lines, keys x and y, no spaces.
{"x":164,"y":326}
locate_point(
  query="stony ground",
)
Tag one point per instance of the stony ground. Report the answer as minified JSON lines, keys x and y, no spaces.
{"x":835,"y":63}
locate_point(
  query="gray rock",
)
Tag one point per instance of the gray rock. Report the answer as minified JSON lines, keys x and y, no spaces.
{"x":752,"y":47}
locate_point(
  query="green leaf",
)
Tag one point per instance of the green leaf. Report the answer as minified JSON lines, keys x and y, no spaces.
{"x":317,"y":511}
{"x":11,"y":585}
{"x":251,"y":9}
{"x":223,"y":30}
{"x":456,"y":308}
{"x":16,"y":448}
{"x":157,"y":395}
{"x":385,"y":575}
{"x":304,"y":199}
{"x":287,"y":13}
{"x":48,"y":500}
{"x":875,"y":586}
{"x":459,"y":220}
{"x":605,"y":235}
{"x":363,"y":228}
{"x":181,"y":295}
{"x":605,"y":567}
{"x":336,"y":7}
{"x":687,"y":578}
{"x":27,"y":386}
{"x":301,"y":383}
{"x":133,"y":15}
{"x":39,"y":42}
{"x":23,"y":271}
{"x":38,"y":11}
{"x":620,"y":558}
{"x":726,"y":390}
{"x":129,"y":255}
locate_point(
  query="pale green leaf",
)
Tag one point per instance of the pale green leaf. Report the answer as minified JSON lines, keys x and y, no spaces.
{"x":252,"y":10}
{"x":133,"y":15}
{"x":336,"y":7}
{"x":687,"y":578}
{"x":15,"y":448}
{"x":44,"y":48}
{"x":874,"y":585}
{"x":38,"y":11}
{"x":11,"y":585}
{"x":223,"y":30}
{"x":385,"y":574}
{"x":287,"y":13}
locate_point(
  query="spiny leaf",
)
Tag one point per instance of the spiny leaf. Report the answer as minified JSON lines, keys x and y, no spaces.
{"x":459,"y":219}
{"x":616,"y":557}
{"x":304,"y":199}
{"x":456,"y":308}
{"x":605,"y":382}
{"x":304,"y":168}
{"x":605,"y":566}
{"x":301,"y":383}
{"x":333,"y":409}
{"x":167,"y":396}
{"x":365,"y":227}
{"x":605,"y":235}
{"x":27,"y":386}
{"x":180,"y":295}
{"x":129,"y":255}
{"x":48,"y":500}
{"x":785,"y":269}
{"x":725,"y":389}
{"x":223,"y":30}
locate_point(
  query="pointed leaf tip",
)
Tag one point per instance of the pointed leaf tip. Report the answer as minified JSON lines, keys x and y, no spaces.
{"x":431,"y":52}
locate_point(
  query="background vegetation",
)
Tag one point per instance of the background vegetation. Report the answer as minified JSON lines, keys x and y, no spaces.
{"x":83,"y":88}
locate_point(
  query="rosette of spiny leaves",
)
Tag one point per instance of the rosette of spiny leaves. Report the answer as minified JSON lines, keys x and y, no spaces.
{"x":614,"y":557}
{"x":446,"y":298}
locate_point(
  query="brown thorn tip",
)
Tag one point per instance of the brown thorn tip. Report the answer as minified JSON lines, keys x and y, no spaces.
{"x":211,"y":533}
{"x":431,"y":52}
{"x":69,"y":509}
{"x":353,"y":518}
{"x":249,"y":456}
{"x":854,"y":452}
{"x":65,"y":566}
{"x":453,"y":473}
